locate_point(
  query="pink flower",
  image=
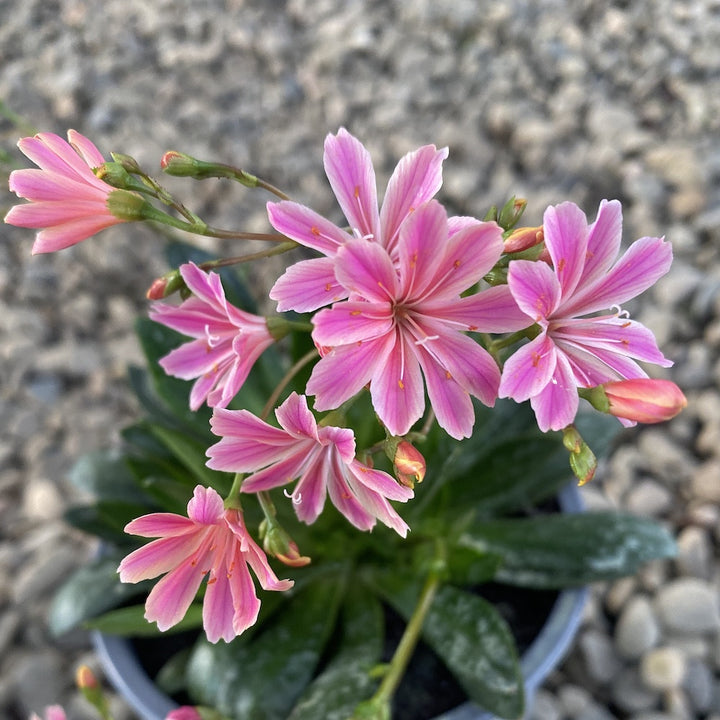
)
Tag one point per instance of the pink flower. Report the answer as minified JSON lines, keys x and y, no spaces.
{"x":406,"y":319}
{"x":573,"y":351}
{"x":52,"y":712}
{"x":211,"y":540}
{"x":228,"y":340}
{"x":310,"y":284}
{"x":66,"y":199}
{"x":184,"y":712}
{"x":323,"y":458}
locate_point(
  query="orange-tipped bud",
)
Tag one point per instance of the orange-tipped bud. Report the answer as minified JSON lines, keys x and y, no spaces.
{"x":280,"y":545}
{"x":178,"y":164}
{"x":644,"y":400}
{"x":582,"y":459}
{"x":165,"y":286}
{"x":523,"y":239}
{"x":85,"y":679}
{"x":409,"y":464}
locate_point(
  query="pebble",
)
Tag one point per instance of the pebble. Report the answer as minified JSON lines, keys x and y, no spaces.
{"x":637,"y":629}
{"x":630,"y":694}
{"x":706,"y":481}
{"x":694,"y":552}
{"x":601,"y":661}
{"x":688,"y":605}
{"x":663,"y":668}
{"x":649,"y":498}
{"x":698,"y":684}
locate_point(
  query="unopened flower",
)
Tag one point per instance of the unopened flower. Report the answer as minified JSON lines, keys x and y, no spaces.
{"x":52,"y":712}
{"x":211,"y":541}
{"x":322,"y":458}
{"x":405,"y":319}
{"x":310,"y":284}
{"x":227,"y":341}
{"x":643,"y":400}
{"x":572,"y":351}
{"x":184,"y":712}
{"x":66,"y":199}
{"x":409,"y":464}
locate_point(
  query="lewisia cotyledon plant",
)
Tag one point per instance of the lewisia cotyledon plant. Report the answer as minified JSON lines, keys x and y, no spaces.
{"x":576,"y":349}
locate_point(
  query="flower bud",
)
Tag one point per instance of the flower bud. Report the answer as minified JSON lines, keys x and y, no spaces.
{"x":643,"y":400}
{"x":179,"y":164}
{"x":279,"y":544}
{"x":511,"y":213}
{"x":523,"y":239}
{"x":90,"y":688}
{"x":409,"y":464}
{"x":84,"y":678}
{"x":113,"y":173}
{"x":165,"y":286}
{"x":129,"y":163}
{"x":582,"y":459}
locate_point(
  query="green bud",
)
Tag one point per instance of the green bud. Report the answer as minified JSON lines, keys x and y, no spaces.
{"x":511,"y":212}
{"x":113,"y":173}
{"x":129,"y":163}
{"x":582,"y":459}
{"x":129,"y":206}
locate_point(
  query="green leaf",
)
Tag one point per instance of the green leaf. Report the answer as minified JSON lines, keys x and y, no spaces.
{"x":130,"y":622}
{"x":171,"y":677}
{"x":105,"y":475}
{"x":473,"y":641}
{"x":106,"y":519}
{"x":262,"y":677}
{"x":556,"y":551}
{"x":465,"y":566}
{"x":346,"y":680}
{"x":91,"y":590}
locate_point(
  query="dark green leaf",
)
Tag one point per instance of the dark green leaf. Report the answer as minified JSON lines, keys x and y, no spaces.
{"x":171,"y":678}
{"x":105,"y":475}
{"x":467,"y":567}
{"x":106,"y":519}
{"x":472,"y":639}
{"x":130,"y":622}
{"x":261,"y":678}
{"x":556,"y":551}
{"x":91,"y":590}
{"x":346,"y":680}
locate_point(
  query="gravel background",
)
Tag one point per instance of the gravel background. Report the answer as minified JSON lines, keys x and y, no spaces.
{"x":550,"y":100}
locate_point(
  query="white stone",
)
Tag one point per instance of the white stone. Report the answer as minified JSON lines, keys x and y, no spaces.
{"x":694,"y":552}
{"x":637,"y":629}
{"x":688,"y":605}
{"x":663,"y":668}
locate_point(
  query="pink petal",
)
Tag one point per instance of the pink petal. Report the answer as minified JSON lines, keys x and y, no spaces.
{"x":397,"y":388}
{"x":380,"y":482}
{"x":604,"y":237}
{"x":295,"y":417}
{"x":350,"y":322}
{"x":193,"y":318}
{"x":160,"y":525}
{"x":158,"y":557}
{"x":565,"y":228}
{"x":257,"y":560}
{"x":346,"y":502}
{"x":40,"y":185}
{"x":529,"y":369}
{"x":593,"y":366}
{"x":556,"y":405}
{"x":645,"y":262}
{"x":218,"y":603}
{"x":450,"y":402}
{"x":207,"y":287}
{"x":307,"y":285}
{"x":55,"y":212}
{"x":61,"y":236}
{"x":343,"y":440}
{"x":492,"y":310}
{"x":87,"y":151}
{"x":352,"y":178}
{"x":282,"y":471}
{"x":535,"y":288}
{"x":366,"y":269}
{"x":305,"y":226}
{"x":205,"y":506}
{"x":309,"y":494}
{"x":345,"y":370}
{"x":169,"y":600}
{"x":196,"y":358}
{"x":245,"y":601}
{"x":469,"y":255}
{"x":203,"y":386}
{"x":421,"y":247}
{"x":415,"y":180}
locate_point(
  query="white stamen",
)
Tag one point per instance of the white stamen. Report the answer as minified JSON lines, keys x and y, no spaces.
{"x":295,"y":497}
{"x":357,"y":234}
{"x":212,"y":340}
{"x":620,"y":312}
{"x":426,"y":338}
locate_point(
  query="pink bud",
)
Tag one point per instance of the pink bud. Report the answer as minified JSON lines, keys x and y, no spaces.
{"x":523,"y":239}
{"x":185,"y":712}
{"x":644,"y":400}
{"x":85,"y":679}
{"x":409,"y":464}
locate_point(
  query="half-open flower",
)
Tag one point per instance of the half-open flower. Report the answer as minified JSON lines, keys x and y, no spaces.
{"x":227,"y":341}
{"x":68,"y":203}
{"x":643,"y":400}
{"x":210,"y":541}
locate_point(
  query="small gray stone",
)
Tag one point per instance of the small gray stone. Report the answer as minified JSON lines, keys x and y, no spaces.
{"x":706,"y":481}
{"x":688,"y":605}
{"x":630,"y":694}
{"x":663,"y":668}
{"x":649,"y":498}
{"x":694,"y":552}
{"x":573,"y":699}
{"x":637,"y":629}
{"x":601,"y":661}
{"x":698,"y":685}
{"x":544,"y":706}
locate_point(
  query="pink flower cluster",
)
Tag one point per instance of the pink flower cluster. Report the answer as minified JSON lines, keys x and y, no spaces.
{"x":400,"y":308}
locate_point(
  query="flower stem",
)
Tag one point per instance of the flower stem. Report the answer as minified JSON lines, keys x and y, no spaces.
{"x":411,"y":636}
{"x":289,"y":375}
